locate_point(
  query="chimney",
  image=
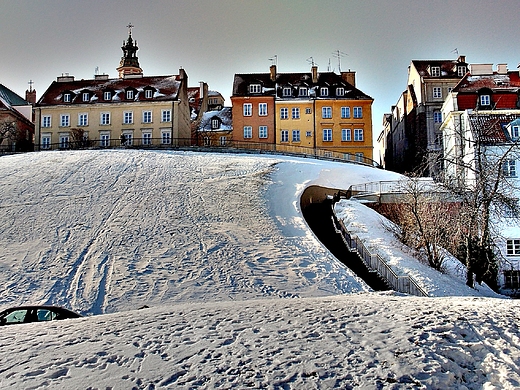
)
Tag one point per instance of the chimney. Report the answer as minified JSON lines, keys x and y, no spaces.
{"x":502,"y":68}
{"x":349,"y":77}
{"x":461,"y":59}
{"x":272,"y":71}
{"x":30,"y":96}
{"x":314,"y":71}
{"x":201,"y":89}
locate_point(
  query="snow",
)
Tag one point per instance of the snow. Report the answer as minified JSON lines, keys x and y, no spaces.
{"x":241,"y":293}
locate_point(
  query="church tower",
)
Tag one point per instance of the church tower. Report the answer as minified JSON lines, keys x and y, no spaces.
{"x":129,"y":64}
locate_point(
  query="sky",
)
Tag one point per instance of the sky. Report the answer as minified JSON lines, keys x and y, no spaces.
{"x":213,"y":40}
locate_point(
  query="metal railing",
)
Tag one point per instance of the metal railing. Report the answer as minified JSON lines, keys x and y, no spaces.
{"x":229,"y":146}
{"x":401,"y":283}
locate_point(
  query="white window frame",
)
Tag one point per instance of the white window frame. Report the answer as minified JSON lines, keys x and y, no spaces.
{"x":287,"y":91}
{"x":262,"y":109}
{"x":461,"y":70}
{"x":85,"y":96}
{"x":83,"y":119}
{"x":107,"y":95}
{"x":130,"y":94}
{"x":255,"y":88}
{"x":358,"y":135}
{"x":129,"y":137}
{"x":324,"y":91}
{"x":64,"y":120}
{"x":128,"y":117}
{"x":104,"y":140}
{"x":284,"y":113}
{"x":437,"y":92}
{"x":435,"y":71}
{"x":147,"y":116}
{"x":46,"y":141}
{"x":360,"y":157}
{"x":485,"y":100}
{"x":308,"y":134}
{"x":295,"y":113}
{"x":303,"y":91}
{"x":345,"y":112}
{"x":509,"y":168}
{"x":346,"y":135}
{"x":46,"y":121}
{"x":247,"y":109}
{"x":104,"y":118}
{"x":326,"y":112}
{"x":166,"y":137}
{"x":146,"y":138}
{"x":248,"y":132}
{"x":296,"y":137}
{"x":64,"y":141}
{"x":284,"y":136}
{"x":148,"y":93}
{"x":67,"y":97}
{"x":358,"y":112}
{"x":223,"y":140}
{"x":308,"y":110}
{"x":262,"y":131}
{"x":166,"y":115}
{"x":340,"y":91}
{"x":515,"y":132}
{"x":513,"y":247}
{"x":215,"y":124}
{"x":327,"y":135}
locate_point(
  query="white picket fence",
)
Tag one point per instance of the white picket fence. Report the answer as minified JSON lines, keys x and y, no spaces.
{"x":401,"y":283}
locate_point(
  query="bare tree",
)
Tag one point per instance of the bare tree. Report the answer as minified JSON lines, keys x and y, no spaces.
{"x":8,"y":131}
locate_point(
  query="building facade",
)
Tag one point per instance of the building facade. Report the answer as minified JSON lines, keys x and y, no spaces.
{"x":130,"y":110}
{"x":16,"y":121}
{"x":302,"y":112}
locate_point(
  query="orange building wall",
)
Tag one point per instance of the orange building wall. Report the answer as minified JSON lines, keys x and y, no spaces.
{"x":239,"y":120}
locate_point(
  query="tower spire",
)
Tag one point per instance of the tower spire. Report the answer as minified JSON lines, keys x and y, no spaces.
{"x":129,"y":64}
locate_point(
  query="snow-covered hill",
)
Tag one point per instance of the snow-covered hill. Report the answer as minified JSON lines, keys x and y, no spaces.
{"x":241,"y":292}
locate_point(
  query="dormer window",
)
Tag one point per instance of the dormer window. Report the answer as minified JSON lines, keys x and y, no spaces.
{"x":435,"y":71}
{"x":461,"y":70}
{"x":515,"y":133}
{"x":324,"y":91}
{"x":130,"y":94}
{"x":85,"y":96}
{"x":215,"y":123}
{"x":303,"y":91}
{"x":148,"y":93}
{"x":255,"y":88}
{"x":485,"y":100}
{"x":340,"y":91}
{"x":287,"y":91}
{"x":67,"y":97}
{"x":107,"y":95}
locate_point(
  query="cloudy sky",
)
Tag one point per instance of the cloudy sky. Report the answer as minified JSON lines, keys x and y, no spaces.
{"x":213,"y":39}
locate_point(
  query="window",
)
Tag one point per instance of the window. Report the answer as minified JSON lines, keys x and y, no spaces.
{"x":147,"y":117}
{"x":129,"y":138}
{"x":86,"y":96}
{"x":104,"y":140}
{"x":107,"y":95}
{"x":437,"y":117}
{"x":296,"y":136}
{"x":512,"y":279}
{"x":485,"y":100}
{"x":461,"y":71}
{"x":255,"y":88}
{"x":360,"y":157}
{"x":130,"y":94}
{"x":327,"y":135}
{"x":46,"y":142}
{"x":66,"y":98}
{"x":437,"y":92}
{"x":358,"y":134}
{"x":513,"y":247}
{"x":166,"y":137}
{"x":358,"y":112}
{"x":248,"y":109}
{"x":148,"y":94}
{"x":345,"y":112}
{"x":284,"y":113}
{"x":435,"y":71}
{"x":166,"y":115}
{"x":207,"y":141}
{"x":284,"y":136}
{"x":287,"y":91}
{"x":46,"y":121}
{"x":64,"y":141}
{"x":147,"y":138}
{"x":248,"y":132}
{"x":340,"y":91}
{"x":262,"y":132}
{"x":302,"y":91}
{"x":64,"y":120}
{"x":515,"y":132}
{"x":128,"y":117}
{"x":308,"y":134}
{"x":346,"y":135}
{"x":262,"y":109}
{"x":308,"y":111}
{"x":82,"y":119}
{"x":324,"y":91}
{"x":223,"y":140}
{"x":295,"y":112}
{"x":326,"y":112}
{"x":509,"y":168}
{"x":215,"y":124}
{"x":105,"y":118}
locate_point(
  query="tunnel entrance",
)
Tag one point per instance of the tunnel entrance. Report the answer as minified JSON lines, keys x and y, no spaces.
{"x":316,"y":206}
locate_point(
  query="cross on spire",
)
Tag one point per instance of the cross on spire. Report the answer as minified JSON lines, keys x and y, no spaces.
{"x":130,"y":26}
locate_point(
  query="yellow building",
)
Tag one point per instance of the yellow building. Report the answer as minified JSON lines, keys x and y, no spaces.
{"x":130,"y":110}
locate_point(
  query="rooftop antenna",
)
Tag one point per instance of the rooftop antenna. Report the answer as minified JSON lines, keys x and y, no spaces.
{"x":30,"y":85}
{"x":274,"y":60}
{"x":339,"y":54}
{"x":328,"y":67}
{"x":456,"y":51}
{"x":96,"y":71}
{"x":310,"y":60}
